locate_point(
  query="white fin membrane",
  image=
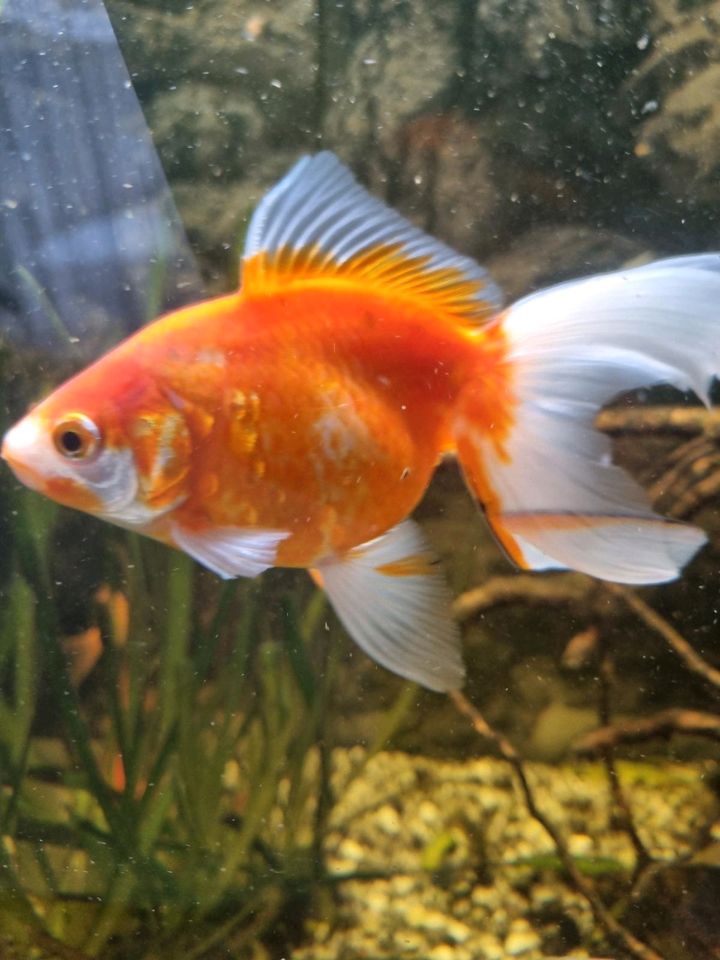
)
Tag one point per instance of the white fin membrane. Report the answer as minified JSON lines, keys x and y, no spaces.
{"x":230,"y":551}
{"x":552,"y":493}
{"x":393,"y":601}
{"x":319,"y":206}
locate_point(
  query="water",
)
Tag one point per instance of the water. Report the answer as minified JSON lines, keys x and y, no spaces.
{"x":205,"y":770}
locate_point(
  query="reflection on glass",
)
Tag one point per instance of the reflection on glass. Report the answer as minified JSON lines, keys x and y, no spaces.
{"x":87,"y":225}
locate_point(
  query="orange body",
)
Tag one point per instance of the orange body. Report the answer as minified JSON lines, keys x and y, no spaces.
{"x":321,"y":412}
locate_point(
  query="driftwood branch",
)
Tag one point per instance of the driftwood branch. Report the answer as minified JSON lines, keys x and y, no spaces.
{"x":652,"y":619}
{"x":606,"y":680}
{"x":692,"y":476}
{"x":684,"y":421}
{"x":595,"y":600}
{"x":614,"y":930}
{"x":664,"y":724}
{"x":572,"y":588}
{"x":691,"y":480}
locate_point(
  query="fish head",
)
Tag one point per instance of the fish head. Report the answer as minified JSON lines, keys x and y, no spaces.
{"x":113,"y":447}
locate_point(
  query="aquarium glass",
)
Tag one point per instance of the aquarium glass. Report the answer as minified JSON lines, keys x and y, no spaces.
{"x":209,"y":767}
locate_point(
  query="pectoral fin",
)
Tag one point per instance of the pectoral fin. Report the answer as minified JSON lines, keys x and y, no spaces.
{"x":231,"y":551}
{"x":393,"y":601}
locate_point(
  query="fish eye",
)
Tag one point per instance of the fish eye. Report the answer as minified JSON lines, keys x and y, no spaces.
{"x":76,"y":437}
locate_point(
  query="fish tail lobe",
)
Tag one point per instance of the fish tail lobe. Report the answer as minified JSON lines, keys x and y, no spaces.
{"x":528,"y":445}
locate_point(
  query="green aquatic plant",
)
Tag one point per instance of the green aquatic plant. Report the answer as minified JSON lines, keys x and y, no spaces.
{"x":183,"y":803}
{"x":55,"y":321}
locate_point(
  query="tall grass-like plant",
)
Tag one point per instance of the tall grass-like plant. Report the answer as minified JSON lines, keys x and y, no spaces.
{"x":182,"y":803}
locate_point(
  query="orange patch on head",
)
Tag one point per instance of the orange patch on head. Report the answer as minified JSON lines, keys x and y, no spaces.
{"x":69,"y":493}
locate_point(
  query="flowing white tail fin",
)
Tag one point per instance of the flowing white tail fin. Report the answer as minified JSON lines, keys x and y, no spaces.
{"x":546,"y":479}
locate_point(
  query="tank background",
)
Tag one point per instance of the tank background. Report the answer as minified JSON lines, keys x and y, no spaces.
{"x":547,"y":139}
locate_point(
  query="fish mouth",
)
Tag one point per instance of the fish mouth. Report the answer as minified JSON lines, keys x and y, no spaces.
{"x":16,"y":440}
{"x":64,"y":490}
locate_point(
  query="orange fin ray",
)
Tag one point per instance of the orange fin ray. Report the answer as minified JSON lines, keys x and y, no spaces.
{"x":318,"y":225}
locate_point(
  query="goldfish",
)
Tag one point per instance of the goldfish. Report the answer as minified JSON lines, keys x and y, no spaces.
{"x":297,"y":421}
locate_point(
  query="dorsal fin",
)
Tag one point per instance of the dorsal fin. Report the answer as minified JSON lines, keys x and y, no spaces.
{"x":319,"y":224}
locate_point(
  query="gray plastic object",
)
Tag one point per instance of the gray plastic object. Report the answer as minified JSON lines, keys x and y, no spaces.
{"x":90,"y":241}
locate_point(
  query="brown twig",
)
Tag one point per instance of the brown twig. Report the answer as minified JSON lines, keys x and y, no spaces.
{"x":689,"y":421}
{"x":622,"y":807}
{"x":565,"y":588}
{"x":691,"y":479}
{"x":664,"y":724}
{"x":651,"y":618}
{"x":615,"y":931}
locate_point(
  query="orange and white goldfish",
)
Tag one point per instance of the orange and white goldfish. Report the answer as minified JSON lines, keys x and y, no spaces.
{"x":297,"y":422}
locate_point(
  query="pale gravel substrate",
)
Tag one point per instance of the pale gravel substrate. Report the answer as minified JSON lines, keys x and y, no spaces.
{"x":479,"y":904}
